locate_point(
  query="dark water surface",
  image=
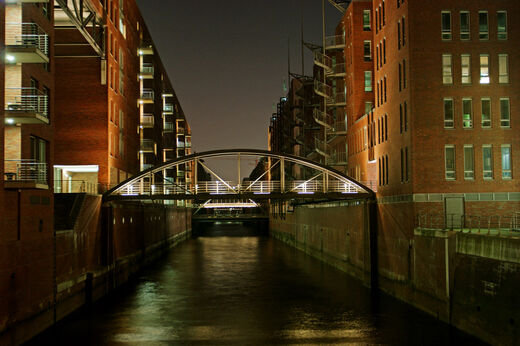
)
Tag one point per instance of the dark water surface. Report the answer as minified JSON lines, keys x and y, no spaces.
{"x":247,"y":290}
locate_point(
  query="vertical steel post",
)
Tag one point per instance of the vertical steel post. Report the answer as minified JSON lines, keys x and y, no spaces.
{"x":195,"y":176}
{"x":282,"y":175}
{"x":238,"y":168}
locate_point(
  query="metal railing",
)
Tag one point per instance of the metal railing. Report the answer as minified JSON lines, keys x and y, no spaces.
{"x":147,"y":94}
{"x":27,"y":35}
{"x":322,"y":89}
{"x":337,"y":98}
{"x":147,"y":145}
{"x":339,"y":127}
{"x":25,"y":171}
{"x":168,"y":108}
{"x":322,"y":60}
{"x":321,"y":146}
{"x":75,"y":186}
{"x":169,"y":127}
{"x":335,"y":41}
{"x":337,"y":69}
{"x":147,"y":120}
{"x":337,"y":158}
{"x":147,"y":68}
{"x":475,"y":224}
{"x":322,"y":118}
{"x":26,"y":100}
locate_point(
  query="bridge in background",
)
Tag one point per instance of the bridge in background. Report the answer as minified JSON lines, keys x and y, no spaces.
{"x":279,"y":177}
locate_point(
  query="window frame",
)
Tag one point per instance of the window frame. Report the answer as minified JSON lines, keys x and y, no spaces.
{"x":484,"y":78}
{"x":467,"y":123}
{"x":483,"y":121}
{"x":446,"y":34}
{"x":469,"y":172}
{"x":447,"y":78}
{"x":501,"y":35}
{"x":503,"y":78}
{"x":447,"y":121}
{"x":505,"y":122}
{"x":465,"y":35}
{"x":465,"y":78}
{"x":487,"y":174}
{"x":450,"y":169}
{"x":483,"y":35}
{"x":367,"y":26}
{"x":507,"y":174}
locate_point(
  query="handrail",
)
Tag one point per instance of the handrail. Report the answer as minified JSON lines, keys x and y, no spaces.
{"x":25,"y":99}
{"x":27,"y":35}
{"x":25,"y":170}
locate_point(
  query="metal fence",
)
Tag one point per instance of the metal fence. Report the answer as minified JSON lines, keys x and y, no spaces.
{"x":26,"y":100}
{"x":76,"y":186}
{"x":479,"y":224}
{"x":27,"y":35}
{"x":25,"y":171}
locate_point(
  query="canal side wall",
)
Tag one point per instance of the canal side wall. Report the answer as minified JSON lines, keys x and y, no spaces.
{"x":468,"y":280}
{"x":105,"y":247}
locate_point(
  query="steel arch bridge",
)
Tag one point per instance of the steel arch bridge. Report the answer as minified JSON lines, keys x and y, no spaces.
{"x":276,"y":182}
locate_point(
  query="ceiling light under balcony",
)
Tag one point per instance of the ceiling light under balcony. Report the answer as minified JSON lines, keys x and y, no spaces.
{"x":9,"y":58}
{"x":9,"y":121}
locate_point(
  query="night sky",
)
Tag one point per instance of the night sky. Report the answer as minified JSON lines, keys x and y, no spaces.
{"x":227,"y":60}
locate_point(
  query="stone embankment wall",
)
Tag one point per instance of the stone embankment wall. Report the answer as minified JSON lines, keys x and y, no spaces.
{"x":471,"y":281}
{"x":104,"y":248}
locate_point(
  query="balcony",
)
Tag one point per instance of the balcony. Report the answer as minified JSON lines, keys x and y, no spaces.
{"x":26,"y":43}
{"x":168,"y":109}
{"x":147,"y":96}
{"x":338,"y":159}
{"x":147,"y":121}
{"x":337,"y":100}
{"x":147,"y":146}
{"x":147,"y":71}
{"x":25,"y":174}
{"x":181,"y":144}
{"x":180,"y":130}
{"x":322,"y":89}
{"x":145,"y":166}
{"x":338,"y":70}
{"x":335,"y":42}
{"x":26,"y":106}
{"x":321,"y":147}
{"x":322,"y":118}
{"x":322,"y":60}
{"x":339,"y":128}
{"x":169,"y":127}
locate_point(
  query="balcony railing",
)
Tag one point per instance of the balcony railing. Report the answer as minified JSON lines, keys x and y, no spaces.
{"x":168,"y":108}
{"x":338,"y":99}
{"x":339,"y":127}
{"x":322,"y":89}
{"x":147,"y":70}
{"x":338,"y":158}
{"x":321,"y":147}
{"x":147,"y":95}
{"x":26,"y":103}
{"x":20,"y":36}
{"x":322,"y":118}
{"x":147,"y":146}
{"x":322,"y":60}
{"x":336,"y":70}
{"x":25,"y":171}
{"x":335,"y":42}
{"x":147,"y":121}
{"x":169,"y":127}
{"x":76,"y":186}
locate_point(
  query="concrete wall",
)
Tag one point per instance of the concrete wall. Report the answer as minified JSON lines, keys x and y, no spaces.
{"x":106,"y":246}
{"x":468,"y":280}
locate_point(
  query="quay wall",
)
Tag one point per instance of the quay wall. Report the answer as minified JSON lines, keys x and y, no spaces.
{"x":45,"y":281}
{"x":470,"y":281}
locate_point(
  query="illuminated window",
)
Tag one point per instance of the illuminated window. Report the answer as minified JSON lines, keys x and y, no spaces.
{"x":467,"y":113}
{"x":487,"y":161}
{"x":505,"y":151}
{"x":503,"y":68}
{"x":502,"y":25}
{"x":469,"y":162}
{"x":484,"y":69}
{"x":486,"y":112}
{"x":366,"y":20}
{"x":483,"y":25}
{"x":464,"y":25}
{"x":465,"y":63}
{"x":447,"y":72}
{"x":446,"y":25}
{"x":368,"y":81}
{"x":367,"y":51}
{"x":449,"y":161}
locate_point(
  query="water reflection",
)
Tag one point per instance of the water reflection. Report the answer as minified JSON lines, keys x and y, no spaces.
{"x":246,"y":290}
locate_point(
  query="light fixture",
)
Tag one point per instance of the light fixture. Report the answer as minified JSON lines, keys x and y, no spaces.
{"x":10,"y":58}
{"x":9,"y":121}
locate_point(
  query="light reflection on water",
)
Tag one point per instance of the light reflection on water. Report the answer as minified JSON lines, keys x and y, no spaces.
{"x":247,"y":290}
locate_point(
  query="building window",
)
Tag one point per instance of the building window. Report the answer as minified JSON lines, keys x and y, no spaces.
{"x":401,"y":119}
{"x":464,"y":25}
{"x":399,"y":35}
{"x":400,"y":77}
{"x":447,"y":71}
{"x":505,"y":114}
{"x":469,"y":162}
{"x":465,"y":63}
{"x":405,"y":116}
{"x":446,"y":25}
{"x":368,"y":107}
{"x":449,"y":161}
{"x":403,"y":31}
{"x":404,"y":74}
{"x":368,"y":81}
{"x":483,"y":25}
{"x":448,"y":113}
{"x":402,"y":165}
{"x":486,"y":112}
{"x":366,"y":20}
{"x":503,"y":68}
{"x":406,"y":164}
{"x":384,"y":51}
{"x":367,"y":51}
{"x":487,"y":161}
{"x":506,"y":161}
{"x":384,"y":87}
{"x":484,"y":69}
{"x":467,"y":113}
{"x":383,"y":13}
{"x":502,"y":25}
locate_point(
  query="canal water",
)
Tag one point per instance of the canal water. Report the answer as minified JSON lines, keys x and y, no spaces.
{"x":231,"y":286}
